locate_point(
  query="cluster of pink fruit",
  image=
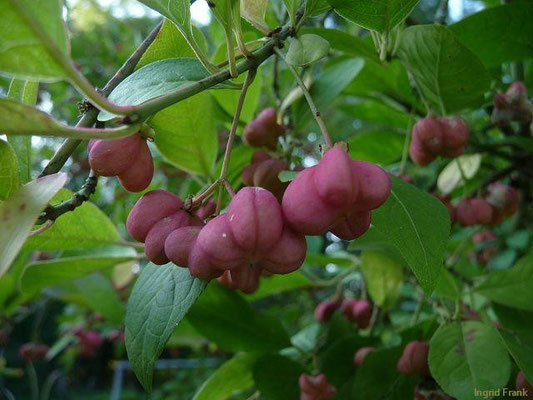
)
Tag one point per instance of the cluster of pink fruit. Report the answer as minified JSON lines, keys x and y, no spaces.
{"x":513,"y":105}
{"x":235,"y":247}
{"x":355,"y":310}
{"x":315,"y":387}
{"x":128,"y":158}
{"x":256,"y":235}
{"x":500,"y":202}
{"x":432,"y":137}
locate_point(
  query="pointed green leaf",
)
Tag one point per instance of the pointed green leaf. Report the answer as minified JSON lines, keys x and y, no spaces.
{"x":154,"y":80}
{"x":498,"y":34}
{"x":383,"y":278}
{"x":306,"y":49}
{"x":415,"y":226}
{"x":9,"y":171}
{"x":186,"y":135}
{"x":160,"y":299}
{"x":232,"y":377}
{"x":380,"y":16}
{"x":448,"y":75}
{"x":464,"y":356}
{"x":24,"y":92}
{"x":511,"y":287}
{"x":24,"y":27}
{"x":84,"y":228}
{"x":226,"y":318}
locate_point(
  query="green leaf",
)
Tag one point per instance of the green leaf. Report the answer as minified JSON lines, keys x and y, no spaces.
{"x":24,"y":92}
{"x":378,"y":377}
{"x":517,"y":333}
{"x":292,"y":8}
{"x":342,"y":41}
{"x":383,"y":146}
{"x":154,"y":80}
{"x":448,"y":75}
{"x":23,"y":53}
{"x":178,"y":11}
{"x":22,"y":120}
{"x":469,"y":355}
{"x":498,"y":34}
{"x":186,"y":134}
{"x":170,"y":43}
{"x":227,"y":319}
{"x":380,"y":16}
{"x":512,"y":287}
{"x":316,"y":7}
{"x":447,"y":286}
{"x":254,"y":12}
{"x":101,"y":297}
{"x":158,"y":302}
{"x":276,"y":377}
{"x":85,"y":227}
{"x":336,"y":361}
{"x":306,"y":49}
{"x":280,"y":283}
{"x":9,"y":172}
{"x":19,"y":212}
{"x":228,"y":98}
{"x":416,"y":226}
{"x":383,"y":278}
{"x":327,"y":86}
{"x":232,"y":377}
{"x":451,"y":176}
{"x":375,"y":112}
{"x":39,"y":275}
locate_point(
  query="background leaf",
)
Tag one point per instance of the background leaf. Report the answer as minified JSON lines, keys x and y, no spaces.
{"x":382,"y":147}
{"x":9,"y":171}
{"x":160,"y":299}
{"x":276,"y":377}
{"x":186,"y":134}
{"x":233,"y":376}
{"x":154,"y":80}
{"x":517,"y":333}
{"x":23,"y":54}
{"x":306,"y":49}
{"x":227,"y":319}
{"x":448,"y":75}
{"x":379,"y":16}
{"x":451,"y":176}
{"x":383,"y":278}
{"x":378,"y":377}
{"x":24,"y":92}
{"x":327,"y":86}
{"x":511,"y":287}
{"x":416,"y":226}
{"x":85,"y":227}
{"x":469,"y":355}
{"x":19,"y":213}
{"x":101,"y":297}
{"x":491,"y":36}
{"x":39,"y":275}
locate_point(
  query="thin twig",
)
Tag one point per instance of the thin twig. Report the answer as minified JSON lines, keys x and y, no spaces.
{"x":47,"y":225}
{"x":51,"y":213}
{"x":89,"y":118}
{"x":312,"y":105}
{"x":231,"y":138}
